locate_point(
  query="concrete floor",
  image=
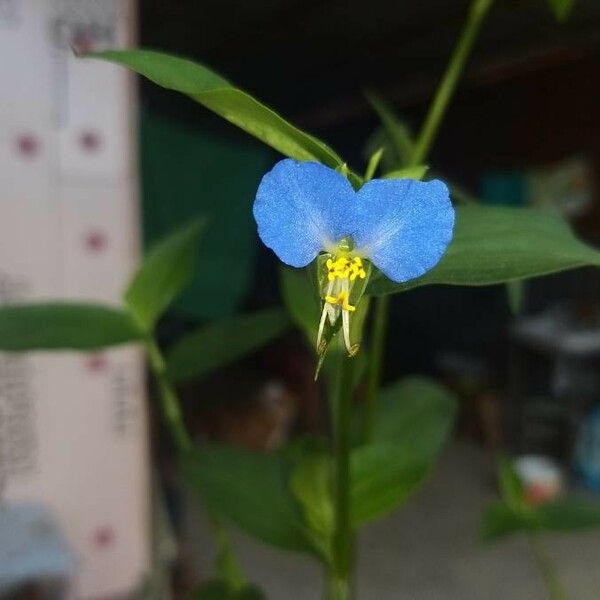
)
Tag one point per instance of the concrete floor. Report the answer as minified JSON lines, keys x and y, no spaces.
{"x":428,"y":550}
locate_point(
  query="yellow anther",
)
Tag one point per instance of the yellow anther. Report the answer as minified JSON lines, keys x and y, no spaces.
{"x":342,"y":298}
{"x":347,"y":306}
{"x":338,"y":268}
{"x":356,"y":268}
{"x":331,"y":270}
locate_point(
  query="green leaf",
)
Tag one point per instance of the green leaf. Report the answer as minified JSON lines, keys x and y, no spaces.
{"x":299,"y":293}
{"x":373,"y":164}
{"x":413,"y":420}
{"x":311,"y":484}
{"x":223,"y":342}
{"x":497,"y":244}
{"x":569,"y":514}
{"x":417,"y":414}
{"x":416,"y":172}
{"x":251,"y":490}
{"x":561,"y":8}
{"x":64,"y":325}
{"x":499,"y":521}
{"x":383,"y":476}
{"x":217,"y":94}
{"x":217,"y":589}
{"x":396,"y":131}
{"x":511,"y":486}
{"x":566,"y":515}
{"x":228,"y":244}
{"x":166,"y":270}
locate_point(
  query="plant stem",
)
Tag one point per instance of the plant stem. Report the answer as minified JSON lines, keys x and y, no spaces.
{"x":437,"y":109}
{"x":375,"y":366}
{"x":547,"y":568}
{"x":226,"y":562}
{"x":337,"y":589}
{"x":447,"y":86}
{"x":339,"y":584}
{"x":168,"y":398}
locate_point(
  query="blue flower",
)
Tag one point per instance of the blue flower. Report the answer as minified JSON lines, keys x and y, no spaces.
{"x":402,"y":226}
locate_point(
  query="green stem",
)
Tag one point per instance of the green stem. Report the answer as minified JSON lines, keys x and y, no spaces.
{"x":339,"y":583}
{"x":437,"y":109}
{"x":447,"y":86}
{"x":337,"y":589}
{"x":375,"y":366}
{"x":227,"y":565}
{"x":168,"y":398}
{"x":226,"y":562}
{"x":547,"y":568}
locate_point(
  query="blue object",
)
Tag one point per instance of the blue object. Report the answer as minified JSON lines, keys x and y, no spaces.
{"x":587,"y":452}
{"x":32,"y":549}
{"x":402,"y":225}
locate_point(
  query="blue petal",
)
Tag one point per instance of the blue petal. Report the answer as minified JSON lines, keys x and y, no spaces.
{"x":404,"y":226}
{"x":300,"y":209}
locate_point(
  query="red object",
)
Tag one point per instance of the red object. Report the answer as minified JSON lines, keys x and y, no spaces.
{"x":96,"y":362}
{"x":104,"y":536}
{"x":27,"y":145}
{"x":82,"y":42}
{"x":96,"y":241}
{"x":538,"y":493}
{"x":90,"y":141}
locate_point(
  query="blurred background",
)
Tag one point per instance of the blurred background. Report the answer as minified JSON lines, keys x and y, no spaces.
{"x":96,"y":164}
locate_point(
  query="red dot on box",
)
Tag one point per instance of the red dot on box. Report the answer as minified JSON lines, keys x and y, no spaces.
{"x":90,"y":141}
{"x":82,"y":42}
{"x":96,"y":241}
{"x":96,"y":363}
{"x":27,"y":145}
{"x":103,"y":537}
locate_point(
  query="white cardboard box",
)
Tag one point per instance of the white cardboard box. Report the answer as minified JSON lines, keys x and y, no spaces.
{"x":73,"y":430}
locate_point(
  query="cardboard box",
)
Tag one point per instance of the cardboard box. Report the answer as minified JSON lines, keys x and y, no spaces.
{"x":73,"y":426}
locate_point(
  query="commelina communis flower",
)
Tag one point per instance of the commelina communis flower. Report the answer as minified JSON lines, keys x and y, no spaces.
{"x":402,"y":226}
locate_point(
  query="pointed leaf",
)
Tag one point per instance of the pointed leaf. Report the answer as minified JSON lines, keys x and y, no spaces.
{"x":415,"y":413}
{"x":64,"y":325}
{"x":373,"y":164}
{"x":219,"y":95}
{"x":166,"y":270}
{"x":251,"y":490}
{"x":413,"y":420}
{"x":383,"y":476}
{"x":223,"y":342}
{"x":496,"y":244}
{"x":397,"y":133}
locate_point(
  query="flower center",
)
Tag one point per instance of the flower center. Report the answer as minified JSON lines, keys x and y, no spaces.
{"x":344,"y":267}
{"x":342,"y":270}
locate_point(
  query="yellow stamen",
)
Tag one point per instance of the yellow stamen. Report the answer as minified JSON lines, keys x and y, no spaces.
{"x":356,"y":268}
{"x":342,"y":298}
{"x":340,"y":268}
